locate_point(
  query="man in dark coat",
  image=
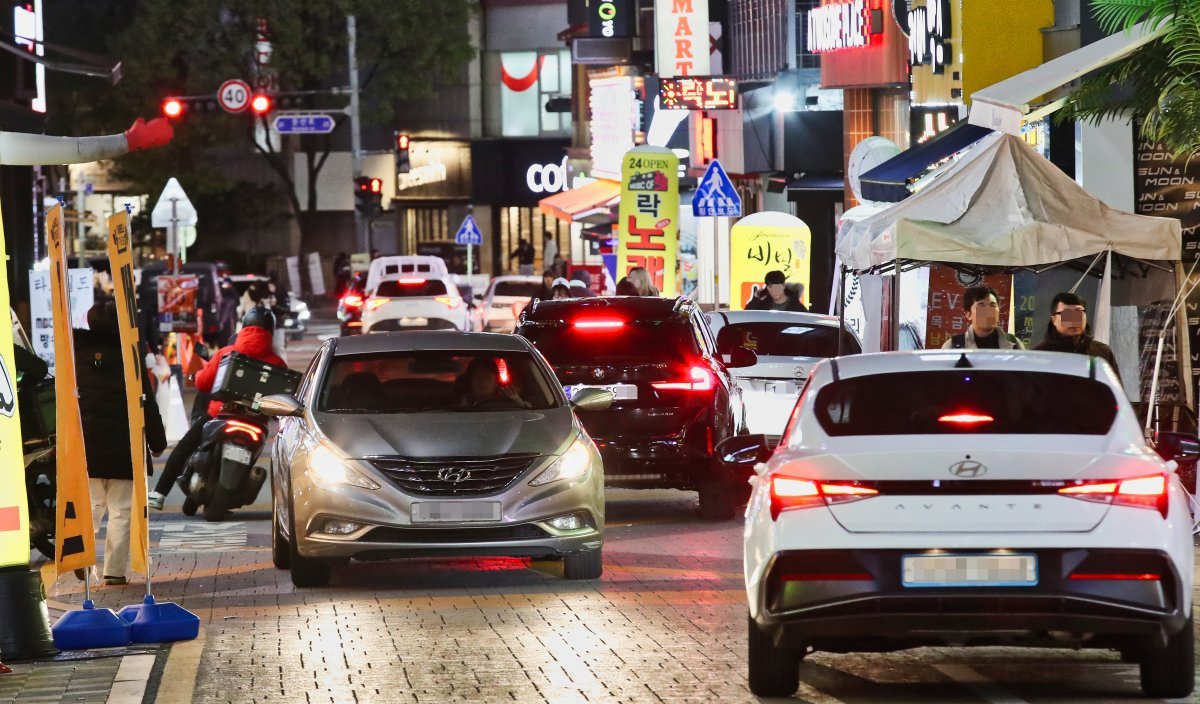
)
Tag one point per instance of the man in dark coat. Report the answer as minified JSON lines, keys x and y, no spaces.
{"x":777,"y":296}
{"x":100,"y":377}
{"x":1068,"y":331}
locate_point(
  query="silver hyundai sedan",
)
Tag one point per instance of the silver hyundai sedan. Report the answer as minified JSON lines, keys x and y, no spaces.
{"x":433,"y":443}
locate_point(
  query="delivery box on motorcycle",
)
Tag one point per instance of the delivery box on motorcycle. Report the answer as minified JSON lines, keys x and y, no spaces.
{"x":244,"y":379}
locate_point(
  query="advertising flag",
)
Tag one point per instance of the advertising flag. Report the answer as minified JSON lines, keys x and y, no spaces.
{"x":763,"y":242}
{"x":120,"y":257}
{"x":73,"y":520}
{"x":649,"y":215}
{"x":14,"y":506}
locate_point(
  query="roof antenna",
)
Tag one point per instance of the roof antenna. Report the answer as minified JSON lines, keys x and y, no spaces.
{"x":963,"y":362}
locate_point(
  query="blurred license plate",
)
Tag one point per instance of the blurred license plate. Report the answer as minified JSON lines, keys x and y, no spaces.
{"x":234,"y":453}
{"x":455,"y":511}
{"x":781,"y":388}
{"x":621,"y":392}
{"x":970,"y":571}
{"x":413,"y":322}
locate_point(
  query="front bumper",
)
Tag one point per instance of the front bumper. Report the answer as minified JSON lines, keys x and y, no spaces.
{"x":854,"y":600}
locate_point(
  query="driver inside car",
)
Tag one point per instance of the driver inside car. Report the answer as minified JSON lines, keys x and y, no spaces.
{"x":487,"y":382}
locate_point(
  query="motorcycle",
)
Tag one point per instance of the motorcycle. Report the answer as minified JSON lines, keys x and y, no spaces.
{"x":222,"y":473}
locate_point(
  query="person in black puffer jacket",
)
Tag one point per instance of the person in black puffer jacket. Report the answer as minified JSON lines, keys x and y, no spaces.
{"x":102,"y":405}
{"x":1068,"y":331}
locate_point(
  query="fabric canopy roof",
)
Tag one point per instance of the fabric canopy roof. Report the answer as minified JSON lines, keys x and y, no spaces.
{"x":889,"y":182}
{"x":1003,"y":204}
{"x":577,"y":203}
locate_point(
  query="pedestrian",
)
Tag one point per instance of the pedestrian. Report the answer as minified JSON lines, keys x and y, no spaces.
{"x":524,"y":254}
{"x":559,"y":265}
{"x":981,"y":308}
{"x":641,"y":280}
{"x":341,"y":273}
{"x":561,"y":290}
{"x":104,"y":414}
{"x":1068,"y":330}
{"x":227,"y":309}
{"x":375,"y":254}
{"x":581,"y":284}
{"x":255,"y":340}
{"x":776,"y":295}
{"x":549,"y":249}
{"x":625,"y":287}
{"x":543,"y":292}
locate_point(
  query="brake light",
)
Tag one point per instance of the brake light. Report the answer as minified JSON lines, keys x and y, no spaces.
{"x":449,"y":301}
{"x":1141,"y":492}
{"x":233,"y":427}
{"x":790,"y":493}
{"x":502,"y":371}
{"x":352,"y":300}
{"x":699,"y":379}
{"x":377,"y":303}
{"x":598,"y":324}
{"x":966,"y":418}
{"x":1117,"y":576}
{"x":411,"y":282}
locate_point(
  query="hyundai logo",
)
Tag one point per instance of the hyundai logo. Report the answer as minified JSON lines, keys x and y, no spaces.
{"x":968,"y":469}
{"x":454,"y":475}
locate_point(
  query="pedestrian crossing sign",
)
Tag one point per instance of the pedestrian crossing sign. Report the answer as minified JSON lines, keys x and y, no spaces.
{"x":468,"y":232}
{"x":715,"y":195}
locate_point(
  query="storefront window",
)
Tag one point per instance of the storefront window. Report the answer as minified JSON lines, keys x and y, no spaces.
{"x":530,"y":224}
{"x":423,"y":225}
{"x":528,"y":79}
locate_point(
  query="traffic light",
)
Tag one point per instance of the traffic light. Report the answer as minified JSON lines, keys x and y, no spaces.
{"x":260,"y":104}
{"x":368,"y":195}
{"x":172,"y":107}
{"x":402,"y":164}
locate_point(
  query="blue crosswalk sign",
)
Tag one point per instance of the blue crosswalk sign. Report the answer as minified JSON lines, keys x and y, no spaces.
{"x":715,"y":195}
{"x":468,"y":232}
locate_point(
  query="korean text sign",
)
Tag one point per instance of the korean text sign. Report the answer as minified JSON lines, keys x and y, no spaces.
{"x":765,"y":242}
{"x":649,"y":215}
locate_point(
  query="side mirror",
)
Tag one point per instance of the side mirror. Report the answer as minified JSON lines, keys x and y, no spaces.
{"x":592,"y":399}
{"x":1180,"y":447}
{"x":744,"y":449}
{"x":281,"y":405}
{"x":740,"y":357}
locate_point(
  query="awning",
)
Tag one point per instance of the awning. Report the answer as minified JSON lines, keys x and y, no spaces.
{"x":889,"y":182}
{"x":578,"y":204}
{"x":817,"y":182}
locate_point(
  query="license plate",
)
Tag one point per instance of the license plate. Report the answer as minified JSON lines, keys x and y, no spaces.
{"x":781,"y":388}
{"x":620,"y":392}
{"x":1017,"y":570}
{"x":235,"y":453}
{"x":411,"y":322}
{"x":455,"y":511}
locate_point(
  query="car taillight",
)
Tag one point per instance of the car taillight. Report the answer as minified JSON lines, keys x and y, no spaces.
{"x":699,"y":379}
{"x":411,"y":282}
{"x":377,"y":303}
{"x":966,"y":418}
{"x":790,"y":493}
{"x":449,"y":301}
{"x":598,"y":324}
{"x":352,"y":300}
{"x":233,"y":427}
{"x":1141,"y":492}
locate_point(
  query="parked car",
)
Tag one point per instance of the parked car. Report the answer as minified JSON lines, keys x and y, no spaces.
{"x":504,"y":300}
{"x":973,"y":498}
{"x":408,"y":302}
{"x":674,"y":399}
{"x":787,"y":345}
{"x":426,"y":444}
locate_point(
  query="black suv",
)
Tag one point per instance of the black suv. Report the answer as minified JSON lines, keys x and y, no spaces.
{"x":675,"y":399}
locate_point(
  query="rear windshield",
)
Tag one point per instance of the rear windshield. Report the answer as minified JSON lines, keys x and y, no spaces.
{"x":523,"y":289}
{"x":657,"y":341}
{"x":785,"y":339}
{"x":965,"y":401}
{"x":409,"y":288}
{"x":436,"y":380}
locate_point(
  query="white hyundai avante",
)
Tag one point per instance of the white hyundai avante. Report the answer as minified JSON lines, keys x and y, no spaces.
{"x":978,"y":498}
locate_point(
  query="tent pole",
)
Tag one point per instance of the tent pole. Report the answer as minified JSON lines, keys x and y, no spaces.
{"x":841,"y":306}
{"x":895,"y":310}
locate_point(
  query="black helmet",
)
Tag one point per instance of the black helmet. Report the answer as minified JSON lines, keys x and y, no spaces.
{"x":260,"y":317}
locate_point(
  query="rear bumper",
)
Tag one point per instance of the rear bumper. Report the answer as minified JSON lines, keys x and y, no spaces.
{"x":854,"y":600}
{"x":653,"y":463}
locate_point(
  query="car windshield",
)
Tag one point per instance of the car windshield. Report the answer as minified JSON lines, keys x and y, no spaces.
{"x":966,"y":401}
{"x":522,"y":289}
{"x":436,"y":380}
{"x":785,"y":339}
{"x":658,"y":340}
{"x":410,"y":288}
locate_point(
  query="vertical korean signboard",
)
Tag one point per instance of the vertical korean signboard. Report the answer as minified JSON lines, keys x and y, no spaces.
{"x":682,"y":44}
{"x":649,"y":215}
{"x":764,"y":242}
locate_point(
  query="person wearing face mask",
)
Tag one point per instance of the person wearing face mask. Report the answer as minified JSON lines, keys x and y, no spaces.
{"x":981,"y":308}
{"x":1068,"y":330}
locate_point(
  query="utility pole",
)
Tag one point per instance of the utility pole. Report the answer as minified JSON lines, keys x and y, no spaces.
{"x":355,"y":128}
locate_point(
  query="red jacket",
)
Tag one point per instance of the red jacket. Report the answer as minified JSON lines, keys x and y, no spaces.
{"x":252,"y":341}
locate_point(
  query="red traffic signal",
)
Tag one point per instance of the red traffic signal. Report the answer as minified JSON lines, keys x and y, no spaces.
{"x":376,"y":185}
{"x":172,"y":107}
{"x":260,"y":104}
{"x":402,"y":142}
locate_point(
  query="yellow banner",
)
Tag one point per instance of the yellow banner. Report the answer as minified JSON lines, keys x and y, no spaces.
{"x":14,"y":505}
{"x":120,"y":258}
{"x":648,"y":220}
{"x":73,"y":525}
{"x":765,"y":242}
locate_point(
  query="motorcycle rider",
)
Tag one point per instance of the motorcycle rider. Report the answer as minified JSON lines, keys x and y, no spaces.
{"x":254,"y":340}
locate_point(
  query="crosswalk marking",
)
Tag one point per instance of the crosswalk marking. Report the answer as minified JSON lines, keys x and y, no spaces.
{"x":193,"y":536}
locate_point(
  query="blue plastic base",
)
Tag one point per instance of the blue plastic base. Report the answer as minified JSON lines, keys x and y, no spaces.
{"x":90,"y":627}
{"x":151,"y":622}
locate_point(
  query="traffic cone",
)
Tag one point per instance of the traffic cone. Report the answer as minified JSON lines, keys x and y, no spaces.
{"x":151,"y":622}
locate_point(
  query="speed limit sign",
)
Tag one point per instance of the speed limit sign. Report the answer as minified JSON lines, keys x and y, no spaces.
{"x":234,"y":95}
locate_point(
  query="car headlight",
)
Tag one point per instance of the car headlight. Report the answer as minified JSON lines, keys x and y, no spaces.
{"x":330,"y":470}
{"x":572,"y":464}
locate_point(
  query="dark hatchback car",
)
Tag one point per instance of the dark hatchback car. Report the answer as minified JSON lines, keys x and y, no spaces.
{"x":675,"y":400}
